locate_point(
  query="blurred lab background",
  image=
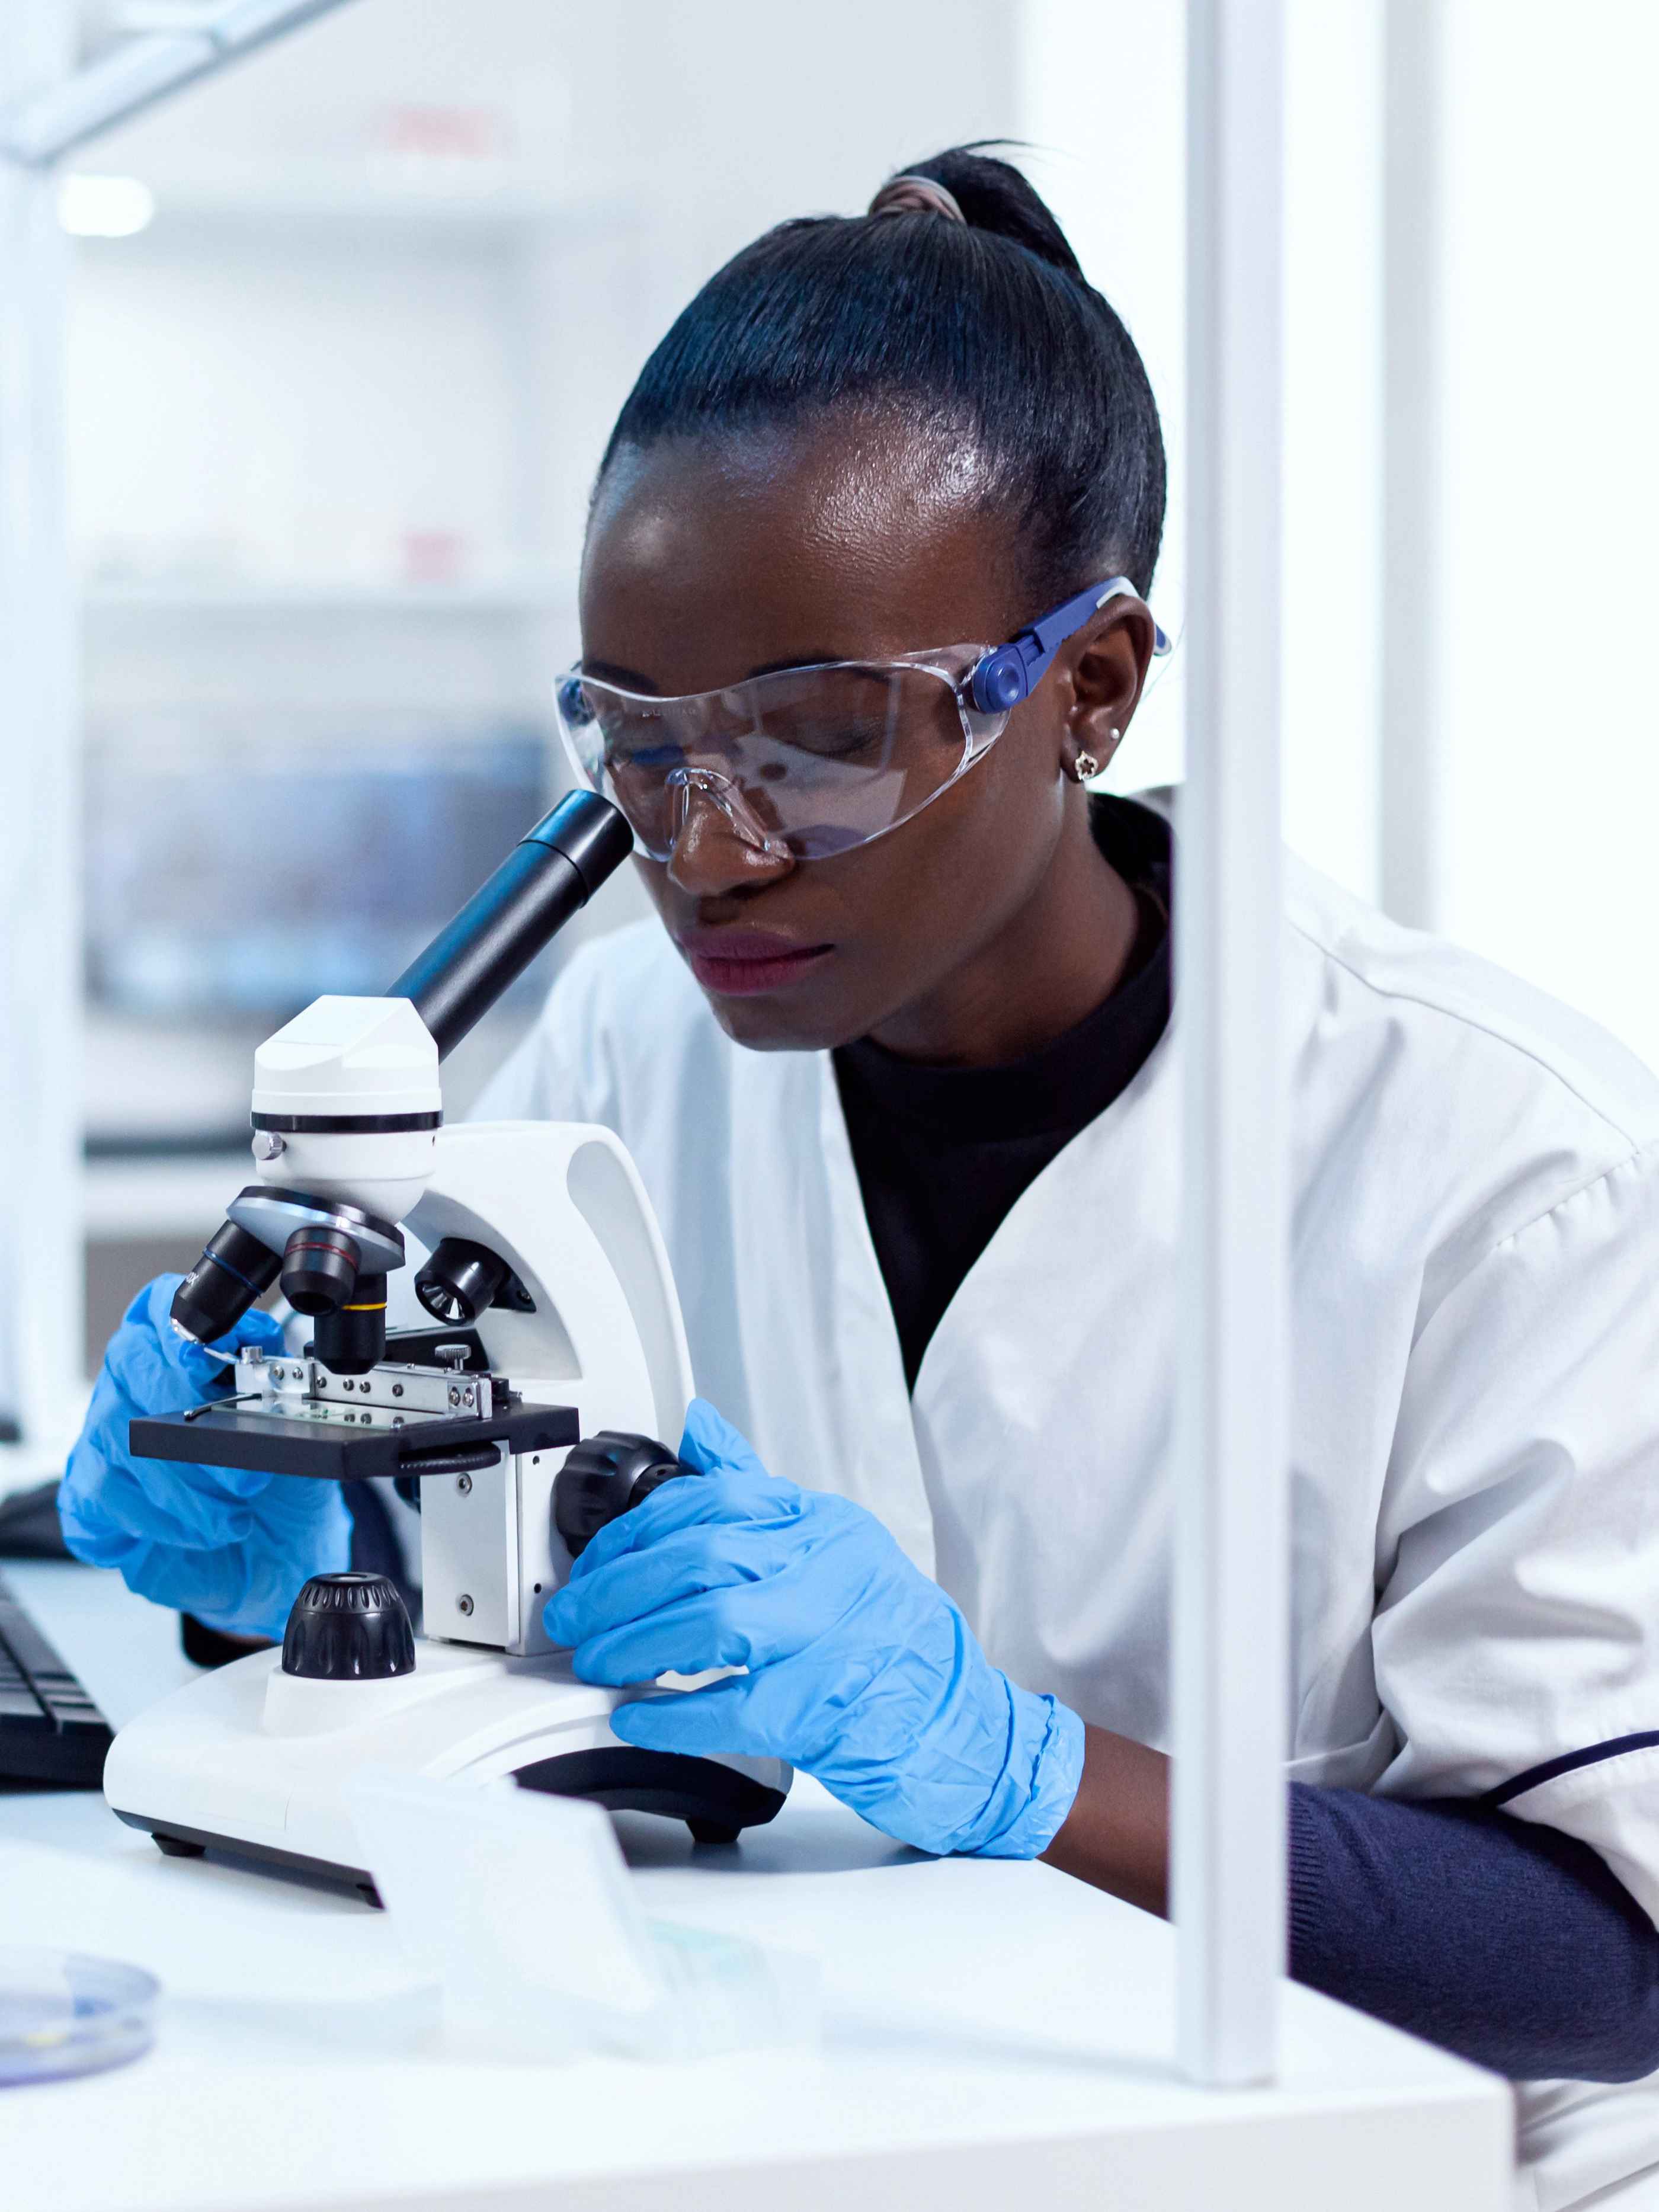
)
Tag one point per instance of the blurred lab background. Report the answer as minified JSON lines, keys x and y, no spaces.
{"x":348,"y":323}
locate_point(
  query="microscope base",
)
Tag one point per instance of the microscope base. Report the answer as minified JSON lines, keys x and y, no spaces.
{"x":257,"y":1763}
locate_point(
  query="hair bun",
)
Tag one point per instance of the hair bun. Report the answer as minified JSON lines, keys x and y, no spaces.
{"x":987,"y":194}
{"x":914,"y":195}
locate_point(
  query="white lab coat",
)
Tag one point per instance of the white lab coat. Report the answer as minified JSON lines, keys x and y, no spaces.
{"x":1474,"y":1178}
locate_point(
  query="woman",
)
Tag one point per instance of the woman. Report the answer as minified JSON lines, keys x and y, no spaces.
{"x":863,"y":612}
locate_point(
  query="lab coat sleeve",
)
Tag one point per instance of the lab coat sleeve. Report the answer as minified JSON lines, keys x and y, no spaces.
{"x":1516,"y":1636}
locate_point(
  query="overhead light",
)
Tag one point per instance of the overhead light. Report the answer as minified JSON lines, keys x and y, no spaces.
{"x":103,"y":207}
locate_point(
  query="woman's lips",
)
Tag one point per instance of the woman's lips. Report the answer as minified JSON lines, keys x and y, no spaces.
{"x":738,"y":962}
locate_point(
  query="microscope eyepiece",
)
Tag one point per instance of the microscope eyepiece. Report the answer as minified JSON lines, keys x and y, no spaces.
{"x":549,"y":876}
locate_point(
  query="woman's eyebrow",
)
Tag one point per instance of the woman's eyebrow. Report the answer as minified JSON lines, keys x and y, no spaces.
{"x":796,"y":660}
{"x":629,"y":679}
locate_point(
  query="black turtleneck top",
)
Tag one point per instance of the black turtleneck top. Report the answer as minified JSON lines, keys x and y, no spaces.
{"x":943,"y":1153}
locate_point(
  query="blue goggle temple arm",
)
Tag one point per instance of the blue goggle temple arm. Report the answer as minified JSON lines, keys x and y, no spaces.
{"x":1013,"y":671}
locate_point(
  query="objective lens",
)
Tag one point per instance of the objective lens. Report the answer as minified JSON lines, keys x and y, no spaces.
{"x":460,"y":1281}
{"x":235,"y":1270}
{"x":351,"y":1338}
{"x":319,"y":1270}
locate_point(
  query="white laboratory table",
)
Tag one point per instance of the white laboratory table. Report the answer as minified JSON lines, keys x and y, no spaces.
{"x":991,"y":2033}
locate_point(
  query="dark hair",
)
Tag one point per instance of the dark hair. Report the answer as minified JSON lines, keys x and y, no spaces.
{"x":987,"y":327}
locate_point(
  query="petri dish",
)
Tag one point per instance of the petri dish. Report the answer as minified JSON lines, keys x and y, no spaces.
{"x":63,"y":2013}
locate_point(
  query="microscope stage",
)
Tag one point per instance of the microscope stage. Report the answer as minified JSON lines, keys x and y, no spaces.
{"x":342,"y":1444}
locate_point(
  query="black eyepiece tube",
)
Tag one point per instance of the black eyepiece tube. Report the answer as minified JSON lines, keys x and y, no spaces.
{"x":549,"y":875}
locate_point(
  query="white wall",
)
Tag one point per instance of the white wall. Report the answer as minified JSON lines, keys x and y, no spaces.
{"x":1103,"y":107}
{"x":1550,"y":768}
{"x":1102,"y":98}
{"x":703,"y":124}
{"x":297,"y":420}
{"x":1332,"y":436}
{"x":1543,"y":779}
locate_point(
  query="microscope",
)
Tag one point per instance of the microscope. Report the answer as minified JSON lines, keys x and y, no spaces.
{"x":539,"y":1352}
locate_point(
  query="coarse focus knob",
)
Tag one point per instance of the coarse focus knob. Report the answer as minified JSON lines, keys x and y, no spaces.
{"x":348,"y":1628}
{"x":605,"y":1476}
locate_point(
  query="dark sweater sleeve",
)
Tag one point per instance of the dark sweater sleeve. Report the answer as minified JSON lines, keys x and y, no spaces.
{"x":1506,"y":1942}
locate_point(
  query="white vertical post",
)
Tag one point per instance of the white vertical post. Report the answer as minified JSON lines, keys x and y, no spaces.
{"x":1413,"y":561}
{"x":40,"y":1254}
{"x":1231,"y":1591}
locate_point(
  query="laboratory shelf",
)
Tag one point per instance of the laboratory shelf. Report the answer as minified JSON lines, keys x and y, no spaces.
{"x":320,"y":203}
{"x":524,"y":596}
{"x":134,"y":1197}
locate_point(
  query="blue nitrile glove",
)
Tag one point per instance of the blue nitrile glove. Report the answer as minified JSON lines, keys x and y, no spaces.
{"x":862,"y":1671}
{"x":230,"y":1546}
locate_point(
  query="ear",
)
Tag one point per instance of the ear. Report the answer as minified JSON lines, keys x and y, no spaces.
{"x":1105,"y":669}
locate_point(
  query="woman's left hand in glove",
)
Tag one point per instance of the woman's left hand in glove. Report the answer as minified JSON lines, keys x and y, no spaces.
{"x":860,"y":1670}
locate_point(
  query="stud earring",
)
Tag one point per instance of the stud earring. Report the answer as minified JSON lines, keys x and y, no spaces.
{"x":1086,"y":765}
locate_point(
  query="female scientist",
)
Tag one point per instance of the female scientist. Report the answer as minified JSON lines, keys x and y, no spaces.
{"x":863,"y":612}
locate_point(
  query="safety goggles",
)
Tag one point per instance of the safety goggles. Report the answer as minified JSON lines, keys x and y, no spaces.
{"x":810,"y":762}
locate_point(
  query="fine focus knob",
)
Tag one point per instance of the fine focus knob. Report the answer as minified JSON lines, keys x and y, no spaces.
{"x":605,"y":1476}
{"x":348,"y":1628}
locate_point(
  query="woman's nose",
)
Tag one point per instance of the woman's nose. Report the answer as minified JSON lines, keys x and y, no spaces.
{"x":720,"y":846}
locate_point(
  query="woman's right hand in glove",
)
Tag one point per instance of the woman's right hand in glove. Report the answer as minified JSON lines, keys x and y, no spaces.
{"x":230,"y":1546}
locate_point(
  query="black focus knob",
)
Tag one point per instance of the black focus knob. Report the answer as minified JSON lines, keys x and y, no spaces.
{"x":348,"y":1628}
{"x":604,"y":1475}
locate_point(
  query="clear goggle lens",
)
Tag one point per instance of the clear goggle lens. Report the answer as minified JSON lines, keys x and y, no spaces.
{"x":807,"y":762}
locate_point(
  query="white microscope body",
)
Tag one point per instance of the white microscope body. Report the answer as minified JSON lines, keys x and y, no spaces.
{"x":558,"y":1321}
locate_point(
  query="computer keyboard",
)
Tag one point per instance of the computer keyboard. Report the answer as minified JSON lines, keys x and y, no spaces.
{"x":50,"y":1728}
